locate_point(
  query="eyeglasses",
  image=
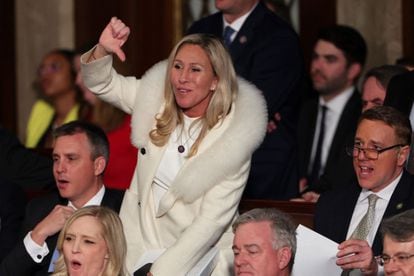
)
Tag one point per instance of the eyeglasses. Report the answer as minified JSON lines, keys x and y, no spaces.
{"x":369,"y":153}
{"x":48,"y":68}
{"x":400,"y":259}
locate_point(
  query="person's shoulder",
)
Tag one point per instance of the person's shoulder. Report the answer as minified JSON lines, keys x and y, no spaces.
{"x":271,"y":23}
{"x":115,"y":193}
{"x":113,"y":199}
{"x":204,"y":24}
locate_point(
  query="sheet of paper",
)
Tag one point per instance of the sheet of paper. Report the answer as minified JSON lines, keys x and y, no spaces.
{"x":315,"y":254}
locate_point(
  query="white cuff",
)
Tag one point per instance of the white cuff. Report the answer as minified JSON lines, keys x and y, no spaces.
{"x":35,"y":251}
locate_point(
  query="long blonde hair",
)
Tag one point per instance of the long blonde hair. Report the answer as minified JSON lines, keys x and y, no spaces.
{"x":112,"y":232}
{"x":220,"y":103}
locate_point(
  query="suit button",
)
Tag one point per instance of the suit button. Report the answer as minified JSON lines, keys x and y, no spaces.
{"x":143,"y":151}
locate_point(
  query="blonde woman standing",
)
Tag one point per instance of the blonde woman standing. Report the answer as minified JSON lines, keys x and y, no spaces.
{"x":196,"y":126}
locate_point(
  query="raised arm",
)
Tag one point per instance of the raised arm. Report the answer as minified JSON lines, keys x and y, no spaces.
{"x":112,"y":38}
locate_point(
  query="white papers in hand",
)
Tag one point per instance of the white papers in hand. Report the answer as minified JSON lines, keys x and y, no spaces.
{"x":315,"y":254}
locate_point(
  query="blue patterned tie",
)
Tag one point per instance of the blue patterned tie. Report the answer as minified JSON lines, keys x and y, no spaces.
{"x":228,"y":32}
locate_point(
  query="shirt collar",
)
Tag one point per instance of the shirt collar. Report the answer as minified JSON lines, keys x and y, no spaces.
{"x":338,"y":103}
{"x":95,"y":200}
{"x":385,"y":193}
{"x":238,"y":23}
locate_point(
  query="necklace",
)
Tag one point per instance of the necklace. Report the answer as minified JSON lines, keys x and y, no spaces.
{"x":181,"y":146}
{"x":187,"y":133}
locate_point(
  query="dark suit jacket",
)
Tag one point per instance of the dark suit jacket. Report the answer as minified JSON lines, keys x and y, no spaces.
{"x":334,"y":209}
{"x":338,"y":169}
{"x":400,"y":92}
{"x":19,"y":262}
{"x":12,"y":205}
{"x":23,"y":166}
{"x":266,"y":52}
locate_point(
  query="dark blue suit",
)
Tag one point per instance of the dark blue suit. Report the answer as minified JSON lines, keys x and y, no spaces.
{"x":19,"y":262}
{"x":334,"y":209}
{"x":266,"y":52}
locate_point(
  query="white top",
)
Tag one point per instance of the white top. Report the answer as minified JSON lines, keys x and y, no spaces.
{"x":238,"y":23}
{"x":333,"y":113}
{"x":361,"y":208}
{"x":173,"y":160}
{"x":37,"y":252}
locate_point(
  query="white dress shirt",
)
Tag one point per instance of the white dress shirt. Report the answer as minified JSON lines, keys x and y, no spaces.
{"x":361,"y":208}
{"x":238,"y":23}
{"x":334,"y":111}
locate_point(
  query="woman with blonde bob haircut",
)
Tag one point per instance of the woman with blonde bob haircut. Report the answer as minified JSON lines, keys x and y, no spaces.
{"x":92,"y":241}
{"x":196,"y":126}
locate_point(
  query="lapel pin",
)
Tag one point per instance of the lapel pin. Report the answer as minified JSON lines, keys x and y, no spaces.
{"x":399,"y":206}
{"x":243,"y":39}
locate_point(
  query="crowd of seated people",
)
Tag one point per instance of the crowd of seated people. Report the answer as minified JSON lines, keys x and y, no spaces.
{"x":200,"y":132}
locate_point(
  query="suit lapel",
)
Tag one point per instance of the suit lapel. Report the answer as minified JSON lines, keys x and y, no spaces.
{"x":350,"y":198}
{"x":306,"y":133}
{"x":400,"y":201}
{"x":112,"y":199}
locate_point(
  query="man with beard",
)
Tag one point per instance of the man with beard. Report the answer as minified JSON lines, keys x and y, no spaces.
{"x":327,"y":124}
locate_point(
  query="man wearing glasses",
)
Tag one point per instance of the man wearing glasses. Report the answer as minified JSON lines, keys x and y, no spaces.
{"x":398,"y":233}
{"x":351,"y":215}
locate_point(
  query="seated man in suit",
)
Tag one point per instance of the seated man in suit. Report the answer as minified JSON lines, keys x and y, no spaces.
{"x":351,"y":214}
{"x":328,"y":122}
{"x":398,"y":242}
{"x":264,"y":243}
{"x":80,"y":155}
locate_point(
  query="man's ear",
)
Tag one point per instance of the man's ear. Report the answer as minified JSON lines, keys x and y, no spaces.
{"x":285,"y":254}
{"x":403,"y":155}
{"x":100,"y":165}
{"x":354,"y":71}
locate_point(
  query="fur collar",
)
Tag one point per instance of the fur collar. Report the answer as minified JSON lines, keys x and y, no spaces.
{"x":225,"y":156}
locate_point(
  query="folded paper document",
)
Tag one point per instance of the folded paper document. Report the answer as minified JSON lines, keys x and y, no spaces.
{"x":315,"y":254}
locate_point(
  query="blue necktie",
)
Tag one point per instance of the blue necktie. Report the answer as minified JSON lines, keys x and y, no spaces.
{"x":228,"y":31}
{"x":55,"y":256}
